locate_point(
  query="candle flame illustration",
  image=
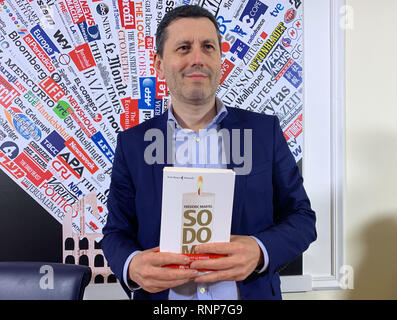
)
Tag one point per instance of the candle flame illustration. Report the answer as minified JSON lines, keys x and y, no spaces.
{"x":199,"y":184}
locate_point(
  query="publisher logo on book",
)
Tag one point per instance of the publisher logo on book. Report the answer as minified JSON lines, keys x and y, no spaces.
{"x":180,"y":177}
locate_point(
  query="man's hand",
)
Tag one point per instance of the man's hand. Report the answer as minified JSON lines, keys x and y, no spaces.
{"x":146,"y":270}
{"x":243,"y":257}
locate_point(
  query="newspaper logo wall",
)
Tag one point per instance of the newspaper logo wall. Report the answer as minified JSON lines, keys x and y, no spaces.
{"x":75,"y":73}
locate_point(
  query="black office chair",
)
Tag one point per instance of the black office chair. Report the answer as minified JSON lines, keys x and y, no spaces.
{"x":43,"y":281}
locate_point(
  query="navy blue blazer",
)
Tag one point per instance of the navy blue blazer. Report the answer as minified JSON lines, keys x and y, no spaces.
{"x":270,"y":202}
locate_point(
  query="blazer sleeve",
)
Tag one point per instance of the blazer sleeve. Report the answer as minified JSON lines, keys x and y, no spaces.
{"x":294,"y":221}
{"x":120,"y":232}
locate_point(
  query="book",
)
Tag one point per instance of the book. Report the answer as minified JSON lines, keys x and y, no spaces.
{"x":197,"y":205}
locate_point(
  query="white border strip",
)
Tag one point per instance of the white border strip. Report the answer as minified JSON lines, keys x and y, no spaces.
{"x":337,"y":148}
{"x":324,"y":144}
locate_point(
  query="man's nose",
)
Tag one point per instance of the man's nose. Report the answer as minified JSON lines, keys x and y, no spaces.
{"x":197,"y":56}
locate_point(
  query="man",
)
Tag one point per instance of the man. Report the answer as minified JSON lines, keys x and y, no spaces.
{"x":272,"y":221}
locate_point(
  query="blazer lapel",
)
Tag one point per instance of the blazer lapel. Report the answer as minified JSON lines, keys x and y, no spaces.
{"x":229,"y":123}
{"x":157,"y":168}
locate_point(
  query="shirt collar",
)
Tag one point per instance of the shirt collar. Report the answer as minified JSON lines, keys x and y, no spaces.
{"x":221,"y":113}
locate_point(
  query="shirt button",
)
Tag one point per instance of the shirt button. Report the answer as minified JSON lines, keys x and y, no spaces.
{"x":202,"y":290}
{"x":197,"y":139}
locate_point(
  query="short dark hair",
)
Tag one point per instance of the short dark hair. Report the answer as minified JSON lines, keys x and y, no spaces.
{"x":186,"y":11}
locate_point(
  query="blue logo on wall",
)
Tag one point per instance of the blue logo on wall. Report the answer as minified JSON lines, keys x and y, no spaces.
{"x":44,"y":41}
{"x":89,"y":33}
{"x":103,"y":145}
{"x":294,"y":75}
{"x":240,"y":48}
{"x":10,"y":149}
{"x":26,"y":128}
{"x":252,"y":12}
{"x":148,"y":93}
{"x":53,"y":143}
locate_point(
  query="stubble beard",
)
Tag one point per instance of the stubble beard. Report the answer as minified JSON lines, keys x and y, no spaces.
{"x":198,"y":94}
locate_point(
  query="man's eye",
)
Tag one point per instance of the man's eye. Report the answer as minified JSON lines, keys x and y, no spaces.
{"x":183,"y":48}
{"x":209,"y":47}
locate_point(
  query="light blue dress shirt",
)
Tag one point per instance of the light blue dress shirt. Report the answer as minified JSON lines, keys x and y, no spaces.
{"x":201,"y":149}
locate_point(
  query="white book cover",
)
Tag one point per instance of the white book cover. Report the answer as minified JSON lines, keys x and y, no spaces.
{"x":197,"y":207}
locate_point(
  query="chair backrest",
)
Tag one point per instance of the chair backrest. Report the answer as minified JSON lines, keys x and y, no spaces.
{"x":43,"y":281}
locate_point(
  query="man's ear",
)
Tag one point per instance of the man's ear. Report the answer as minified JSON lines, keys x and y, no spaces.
{"x":158,"y":65}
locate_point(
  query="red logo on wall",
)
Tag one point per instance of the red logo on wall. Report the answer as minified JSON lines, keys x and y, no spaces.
{"x":7,"y":93}
{"x":149,"y":43}
{"x":295,"y":129}
{"x":226,"y":68}
{"x":11,"y":166}
{"x":33,"y":172}
{"x":127,"y":14}
{"x":82,"y":57}
{"x":290,"y":15}
{"x":53,"y":90}
{"x":81,"y":155}
{"x":130,"y":117}
{"x":39,"y":52}
{"x":161,"y":88}
{"x":75,"y":11}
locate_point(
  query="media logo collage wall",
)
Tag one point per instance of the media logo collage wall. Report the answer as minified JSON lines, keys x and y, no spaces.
{"x":75,"y":73}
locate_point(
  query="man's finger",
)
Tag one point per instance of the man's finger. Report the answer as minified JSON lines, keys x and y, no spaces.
{"x":216,"y":248}
{"x":213,"y":264}
{"x":170,"y":274}
{"x":164,"y":258}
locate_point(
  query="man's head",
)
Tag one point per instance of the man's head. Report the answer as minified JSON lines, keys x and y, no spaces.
{"x":187,"y":11}
{"x":188,"y":55}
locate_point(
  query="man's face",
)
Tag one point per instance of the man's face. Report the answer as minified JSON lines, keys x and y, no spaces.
{"x":191,"y":62}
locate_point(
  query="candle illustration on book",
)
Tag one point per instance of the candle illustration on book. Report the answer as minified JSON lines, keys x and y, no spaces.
{"x":197,"y":217}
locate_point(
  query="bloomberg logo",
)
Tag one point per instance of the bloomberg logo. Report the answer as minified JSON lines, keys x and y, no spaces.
{"x":252,"y":12}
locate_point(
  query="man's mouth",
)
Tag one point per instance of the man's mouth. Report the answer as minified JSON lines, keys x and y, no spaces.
{"x":196,"y":75}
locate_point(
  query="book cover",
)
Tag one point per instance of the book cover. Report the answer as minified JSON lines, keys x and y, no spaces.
{"x":197,"y":208}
